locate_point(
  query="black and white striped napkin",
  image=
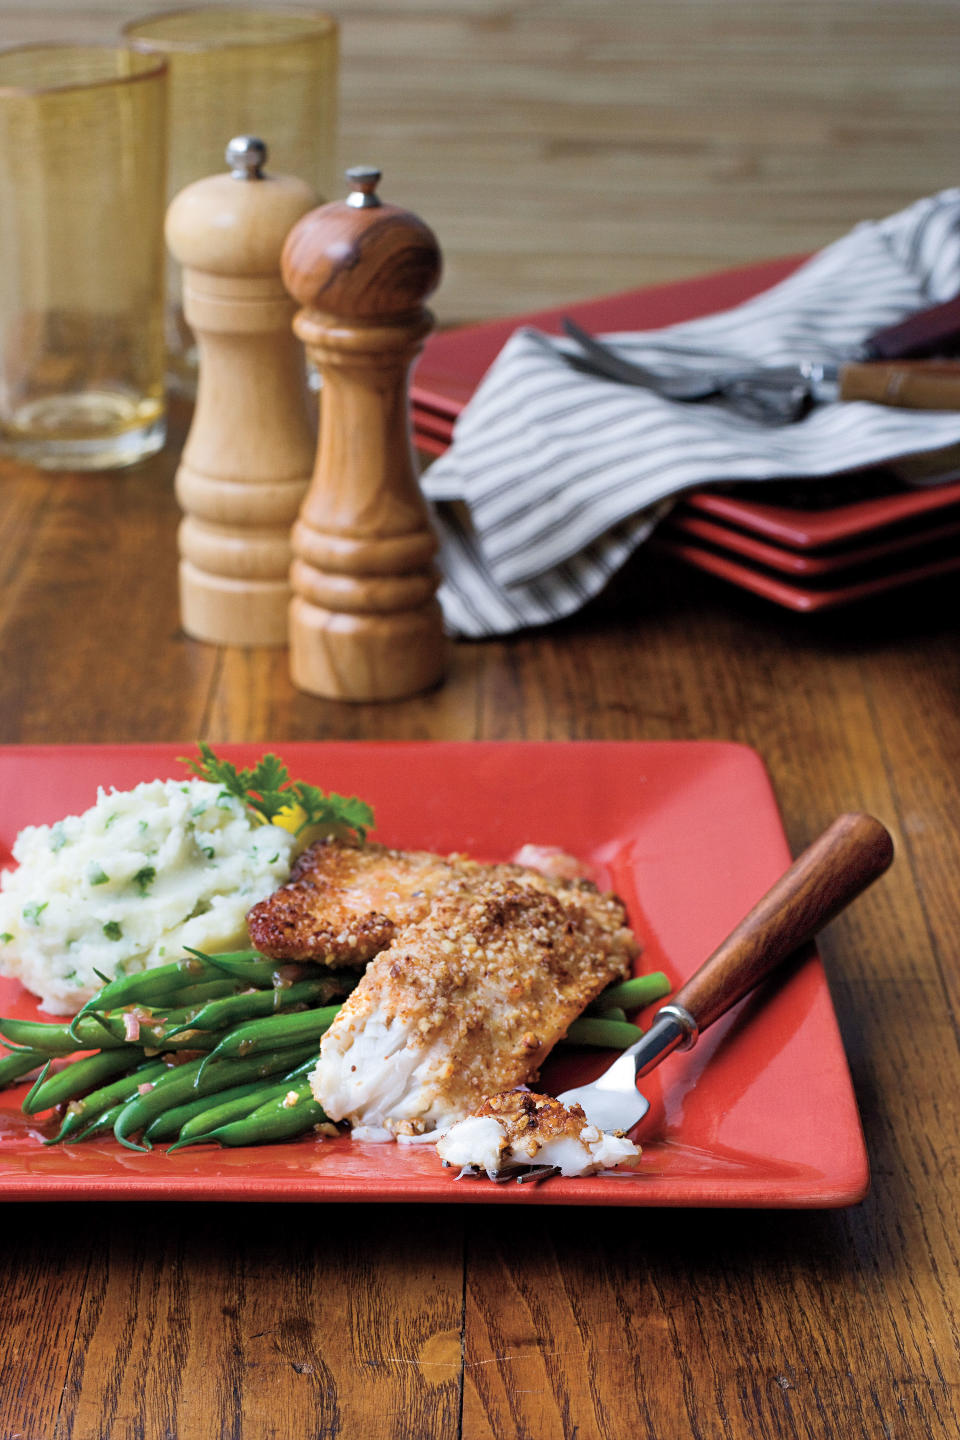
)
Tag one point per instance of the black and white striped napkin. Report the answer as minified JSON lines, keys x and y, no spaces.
{"x":554,"y":477}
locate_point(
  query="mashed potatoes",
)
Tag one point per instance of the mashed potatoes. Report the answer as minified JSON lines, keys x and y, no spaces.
{"x":129,"y":883}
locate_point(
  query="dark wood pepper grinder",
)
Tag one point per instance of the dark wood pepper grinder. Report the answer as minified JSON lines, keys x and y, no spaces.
{"x":365,"y":623}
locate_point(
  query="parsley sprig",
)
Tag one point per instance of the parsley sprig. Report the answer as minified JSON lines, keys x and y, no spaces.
{"x":269,"y":793}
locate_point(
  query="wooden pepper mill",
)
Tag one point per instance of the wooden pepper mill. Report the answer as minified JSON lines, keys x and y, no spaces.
{"x":365,"y":623}
{"x":247,"y":459}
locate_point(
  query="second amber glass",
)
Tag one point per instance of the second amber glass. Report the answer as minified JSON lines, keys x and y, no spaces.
{"x":235,"y":70}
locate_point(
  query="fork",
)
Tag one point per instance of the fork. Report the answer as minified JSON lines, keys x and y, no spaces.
{"x":596,"y":359}
{"x":773,"y":395}
{"x":603,"y":359}
{"x":853,"y":852}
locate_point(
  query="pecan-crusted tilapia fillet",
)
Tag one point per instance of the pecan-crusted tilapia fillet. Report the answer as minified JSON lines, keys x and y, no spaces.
{"x":344,"y":902}
{"x":469,"y":1000}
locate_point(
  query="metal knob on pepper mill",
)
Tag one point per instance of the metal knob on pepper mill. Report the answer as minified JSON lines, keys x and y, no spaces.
{"x":247,"y":459}
{"x":365,"y":623}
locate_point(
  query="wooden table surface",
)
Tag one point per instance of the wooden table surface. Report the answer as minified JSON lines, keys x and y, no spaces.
{"x":202,"y":1322}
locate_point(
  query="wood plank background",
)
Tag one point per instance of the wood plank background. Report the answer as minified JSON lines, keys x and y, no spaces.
{"x":563,"y":149}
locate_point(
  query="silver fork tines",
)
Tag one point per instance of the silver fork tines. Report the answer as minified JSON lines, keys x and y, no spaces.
{"x":533,"y":1174}
{"x":523,"y":1174}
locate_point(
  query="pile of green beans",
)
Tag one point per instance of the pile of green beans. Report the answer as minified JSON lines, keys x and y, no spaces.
{"x":223,"y":1045}
{"x":208,"y":1048}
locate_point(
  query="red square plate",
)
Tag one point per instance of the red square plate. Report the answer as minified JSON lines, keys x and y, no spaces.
{"x":813,"y":525}
{"x":805,"y":596}
{"x":900,"y":547}
{"x":760,"y":1113}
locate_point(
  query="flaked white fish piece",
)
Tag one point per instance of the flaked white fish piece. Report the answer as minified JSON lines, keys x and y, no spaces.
{"x":521,"y":1128}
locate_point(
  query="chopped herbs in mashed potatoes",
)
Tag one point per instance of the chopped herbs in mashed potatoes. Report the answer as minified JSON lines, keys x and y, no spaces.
{"x":130,"y":883}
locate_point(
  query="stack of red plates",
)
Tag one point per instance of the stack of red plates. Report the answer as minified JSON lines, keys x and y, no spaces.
{"x":803,"y":546}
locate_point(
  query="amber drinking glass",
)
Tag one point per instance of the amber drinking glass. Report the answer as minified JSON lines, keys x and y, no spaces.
{"x":235,"y":70}
{"x":82,"y":192}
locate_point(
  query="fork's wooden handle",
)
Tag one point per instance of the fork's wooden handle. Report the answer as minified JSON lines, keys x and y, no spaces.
{"x":848,"y":857}
{"x":911,"y":384}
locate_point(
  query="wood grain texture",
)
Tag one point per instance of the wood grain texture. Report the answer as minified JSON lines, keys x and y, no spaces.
{"x":922,"y":385}
{"x":364,"y":621}
{"x":249,"y":451}
{"x":710,"y":1324}
{"x":362,"y":264}
{"x":559,"y":151}
{"x":204,"y":1321}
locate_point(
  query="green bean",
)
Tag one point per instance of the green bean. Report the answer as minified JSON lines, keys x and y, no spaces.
{"x":609,"y":1034}
{"x":235,"y":1101}
{"x":614,"y":1013}
{"x":78,"y":1077}
{"x":153,"y":1014}
{"x":102,"y":1032}
{"x":291,"y":1112}
{"x":146,"y":986}
{"x":221,"y":1014}
{"x":92,"y":1106}
{"x":256,"y":969}
{"x":48,"y":1037}
{"x":229,"y":1105}
{"x":103,"y":1124}
{"x":183,"y":1040}
{"x":18,"y":1065}
{"x":247,"y":965}
{"x":186,"y":1082}
{"x":155,"y":1037}
{"x":204,"y":990}
{"x":633,"y":994}
{"x":260,"y":1035}
{"x":100,"y":1128}
{"x":55,"y":1040}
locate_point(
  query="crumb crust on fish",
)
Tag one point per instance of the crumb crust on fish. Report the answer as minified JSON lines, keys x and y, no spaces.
{"x":469,"y":1000}
{"x":344,"y":902}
